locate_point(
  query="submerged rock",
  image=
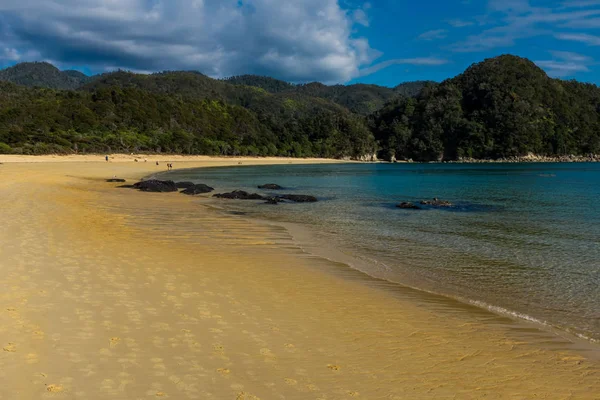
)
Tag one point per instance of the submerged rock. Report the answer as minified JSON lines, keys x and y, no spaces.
{"x":436,"y":203}
{"x":185,"y":185}
{"x":273,"y":200}
{"x":155,"y":185}
{"x":408,"y":206}
{"x":116,"y":180}
{"x":239,"y":195}
{"x":270,"y":186}
{"x":298,"y":198}
{"x":197,"y":189}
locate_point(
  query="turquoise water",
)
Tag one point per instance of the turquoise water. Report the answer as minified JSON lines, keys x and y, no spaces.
{"x":522,"y":239}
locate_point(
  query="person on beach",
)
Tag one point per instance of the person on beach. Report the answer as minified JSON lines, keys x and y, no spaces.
{"x":106,"y":158}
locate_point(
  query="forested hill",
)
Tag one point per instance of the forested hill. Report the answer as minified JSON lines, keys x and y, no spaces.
{"x":502,"y":107}
{"x":359,"y":98}
{"x":177,"y":112}
{"x":42,"y":74}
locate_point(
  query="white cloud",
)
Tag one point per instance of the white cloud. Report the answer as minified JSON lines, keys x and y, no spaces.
{"x":565,"y":63}
{"x":590,"y":40}
{"x":434,"y":34}
{"x":459,"y":23}
{"x":423,"y":61}
{"x":514,"y":20}
{"x":296,"y":40}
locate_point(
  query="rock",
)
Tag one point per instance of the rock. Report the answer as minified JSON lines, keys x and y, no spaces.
{"x":185,"y":185}
{"x":273,"y":200}
{"x":270,"y":186}
{"x":239,"y":195}
{"x":298,"y":198}
{"x":197,"y":189}
{"x":116,"y":180}
{"x":436,"y":203}
{"x":408,"y":206}
{"x":154,"y":185}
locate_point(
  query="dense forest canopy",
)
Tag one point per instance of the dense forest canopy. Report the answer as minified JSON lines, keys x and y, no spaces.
{"x":501,"y":107}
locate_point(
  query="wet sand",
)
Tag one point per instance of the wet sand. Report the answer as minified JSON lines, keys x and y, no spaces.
{"x":113,"y":293}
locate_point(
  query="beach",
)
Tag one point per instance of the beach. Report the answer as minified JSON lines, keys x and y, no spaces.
{"x":114,"y":293}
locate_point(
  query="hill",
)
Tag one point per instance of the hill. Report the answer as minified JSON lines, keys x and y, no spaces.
{"x":502,"y":107}
{"x":178,"y":112}
{"x":42,"y":74}
{"x":359,"y":98}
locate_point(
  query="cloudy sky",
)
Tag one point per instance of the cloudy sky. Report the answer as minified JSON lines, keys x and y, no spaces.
{"x":333,"y":41}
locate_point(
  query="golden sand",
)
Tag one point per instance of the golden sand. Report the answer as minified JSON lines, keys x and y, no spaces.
{"x":114,"y":294}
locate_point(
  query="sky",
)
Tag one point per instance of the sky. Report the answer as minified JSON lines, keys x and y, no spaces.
{"x":383,"y":42}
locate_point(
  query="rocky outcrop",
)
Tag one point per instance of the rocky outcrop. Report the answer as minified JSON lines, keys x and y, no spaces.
{"x":408,"y":206}
{"x":185,"y":185}
{"x":273,"y":200}
{"x":435,"y":202}
{"x":534,"y":158}
{"x":198,"y":189}
{"x":155,"y":185}
{"x":270,"y":186}
{"x":239,"y":195}
{"x":298,"y":198}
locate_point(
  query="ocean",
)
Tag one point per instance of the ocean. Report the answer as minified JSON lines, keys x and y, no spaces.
{"x":520,"y":239}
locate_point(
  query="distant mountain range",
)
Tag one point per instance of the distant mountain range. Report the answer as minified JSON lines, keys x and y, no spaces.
{"x":501,"y":107}
{"x":359,"y":98}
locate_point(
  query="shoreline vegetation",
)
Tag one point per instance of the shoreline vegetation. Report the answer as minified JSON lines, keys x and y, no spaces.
{"x":155,"y":294}
{"x":502,"y":108}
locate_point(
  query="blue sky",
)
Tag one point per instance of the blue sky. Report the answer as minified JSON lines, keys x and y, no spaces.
{"x":333,"y":41}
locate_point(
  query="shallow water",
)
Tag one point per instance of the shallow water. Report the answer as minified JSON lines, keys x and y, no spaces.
{"x":522,"y":239}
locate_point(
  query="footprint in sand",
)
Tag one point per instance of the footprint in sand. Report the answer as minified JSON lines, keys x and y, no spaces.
{"x":54,"y":388}
{"x":291,"y":382}
{"x":352,"y":393}
{"x":10,"y":347}
{"x":114,"y":341}
{"x":223,"y":371}
{"x":246,"y":396}
{"x":333,"y":367}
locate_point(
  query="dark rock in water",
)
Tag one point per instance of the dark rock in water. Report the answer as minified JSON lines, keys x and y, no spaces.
{"x":197,"y":189}
{"x":270,"y":186}
{"x":185,"y":185}
{"x":298,"y":198}
{"x":273,"y":200}
{"x":239,"y":195}
{"x":116,"y":180}
{"x":408,"y":206}
{"x":436,"y":203}
{"x":154,"y":185}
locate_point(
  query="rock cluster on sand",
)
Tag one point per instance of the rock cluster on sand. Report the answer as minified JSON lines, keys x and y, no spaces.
{"x":154,"y":185}
{"x":239,"y":195}
{"x":270,"y":186}
{"x":408,"y":205}
{"x":436,"y":203}
{"x":197,"y":189}
{"x":185,"y":185}
{"x":242,"y":195}
{"x":298,"y":198}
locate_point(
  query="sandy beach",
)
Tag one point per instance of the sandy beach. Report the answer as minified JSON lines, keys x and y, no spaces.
{"x":111,"y":293}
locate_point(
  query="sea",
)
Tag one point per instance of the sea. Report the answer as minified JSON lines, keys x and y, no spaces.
{"x":522,"y":240}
